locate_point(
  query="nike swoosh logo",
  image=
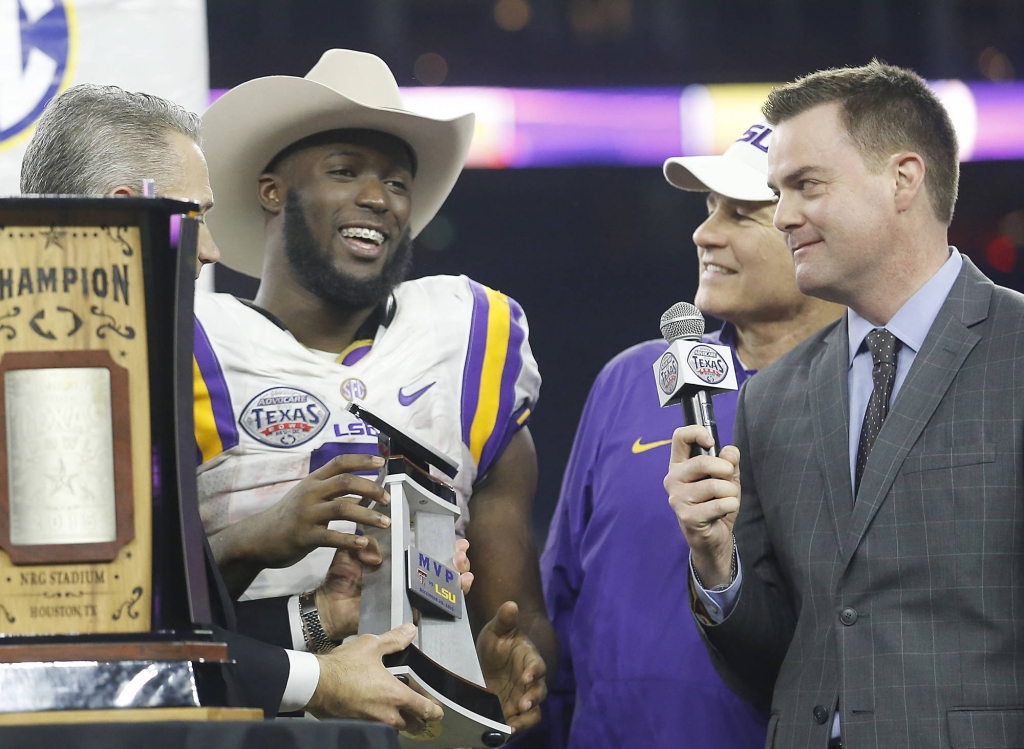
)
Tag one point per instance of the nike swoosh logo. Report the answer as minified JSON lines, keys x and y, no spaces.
{"x":639,"y":448}
{"x":408,"y":400}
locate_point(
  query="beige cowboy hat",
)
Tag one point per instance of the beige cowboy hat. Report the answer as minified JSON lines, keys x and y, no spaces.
{"x":250,"y":124}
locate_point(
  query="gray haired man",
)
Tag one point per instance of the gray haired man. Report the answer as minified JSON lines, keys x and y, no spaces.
{"x":104,"y":140}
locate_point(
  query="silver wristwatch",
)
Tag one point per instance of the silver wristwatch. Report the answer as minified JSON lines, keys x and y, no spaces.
{"x":313,"y":633}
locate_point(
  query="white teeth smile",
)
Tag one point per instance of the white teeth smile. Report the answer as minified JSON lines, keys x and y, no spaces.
{"x":717,"y":268}
{"x":358,"y":232}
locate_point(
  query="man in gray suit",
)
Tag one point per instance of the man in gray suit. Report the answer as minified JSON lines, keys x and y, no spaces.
{"x":869,"y":576}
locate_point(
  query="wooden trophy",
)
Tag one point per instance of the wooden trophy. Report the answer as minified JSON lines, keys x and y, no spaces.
{"x":417,"y":549}
{"x":102,"y":577}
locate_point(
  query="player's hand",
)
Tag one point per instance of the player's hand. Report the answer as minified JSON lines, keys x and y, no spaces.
{"x":354,"y":684}
{"x":705,"y":494}
{"x":283,"y":534}
{"x":337,"y":598}
{"x":297,"y":524}
{"x":460,"y":561}
{"x":512,"y":667}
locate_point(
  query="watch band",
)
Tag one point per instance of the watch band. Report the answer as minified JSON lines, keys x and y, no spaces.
{"x":313,"y":632}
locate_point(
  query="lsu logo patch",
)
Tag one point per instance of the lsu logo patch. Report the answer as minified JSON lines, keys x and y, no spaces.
{"x":284,"y":417}
{"x":668,"y":372}
{"x":707,"y":364}
{"x":36,"y":45}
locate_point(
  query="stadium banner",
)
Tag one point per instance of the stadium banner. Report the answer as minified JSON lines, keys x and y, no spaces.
{"x":156,"y":46}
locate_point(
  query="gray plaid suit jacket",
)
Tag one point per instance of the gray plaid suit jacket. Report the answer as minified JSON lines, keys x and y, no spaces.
{"x":908,"y":607}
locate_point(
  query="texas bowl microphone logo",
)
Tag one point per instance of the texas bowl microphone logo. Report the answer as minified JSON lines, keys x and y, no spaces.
{"x":36,"y":45}
{"x":668,"y":372}
{"x":284,"y":417}
{"x":707,"y":364}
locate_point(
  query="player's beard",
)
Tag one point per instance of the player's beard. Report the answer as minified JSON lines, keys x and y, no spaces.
{"x":313,"y":265}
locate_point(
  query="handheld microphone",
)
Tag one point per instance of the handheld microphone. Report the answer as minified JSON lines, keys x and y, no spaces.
{"x":691,"y":371}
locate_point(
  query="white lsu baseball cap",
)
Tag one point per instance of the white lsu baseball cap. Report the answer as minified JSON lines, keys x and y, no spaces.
{"x":741,"y":173}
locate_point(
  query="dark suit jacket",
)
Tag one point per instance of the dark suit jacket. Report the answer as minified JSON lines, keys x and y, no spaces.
{"x":907,"y":607}
{"x":261,"y":669}
{"x":265,"y":619}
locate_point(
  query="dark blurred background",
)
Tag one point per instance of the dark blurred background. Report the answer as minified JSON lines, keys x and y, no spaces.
{"x":570,"y":43}
{"x":595,"y":254}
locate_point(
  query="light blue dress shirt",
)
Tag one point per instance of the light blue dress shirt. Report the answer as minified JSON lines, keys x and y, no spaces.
{"x":910,"y":326}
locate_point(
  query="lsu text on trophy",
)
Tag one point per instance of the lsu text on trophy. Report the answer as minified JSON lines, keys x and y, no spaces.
{"x":102,"y":576}
{"x":417,"y":548}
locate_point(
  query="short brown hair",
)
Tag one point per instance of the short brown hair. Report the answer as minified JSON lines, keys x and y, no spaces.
{"x":885,"y":109}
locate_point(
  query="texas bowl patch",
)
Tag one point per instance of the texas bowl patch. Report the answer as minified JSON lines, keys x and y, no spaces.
{"x":707,"y":364}
{"x":668,"y":372}
{"x":284,"y":417}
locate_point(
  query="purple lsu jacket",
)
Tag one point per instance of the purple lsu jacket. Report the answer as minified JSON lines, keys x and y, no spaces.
{"x":633,"y":671}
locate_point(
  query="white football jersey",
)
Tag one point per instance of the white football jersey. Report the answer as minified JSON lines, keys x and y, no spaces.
{"x":453,"y":368}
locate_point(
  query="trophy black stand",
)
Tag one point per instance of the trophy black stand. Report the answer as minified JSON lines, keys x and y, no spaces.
{"x":103,"y":593}
{"x":417,"y":549}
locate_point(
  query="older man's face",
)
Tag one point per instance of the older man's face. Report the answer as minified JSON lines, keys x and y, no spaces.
{"x":746,"y":270}
{"x":191,"y":181}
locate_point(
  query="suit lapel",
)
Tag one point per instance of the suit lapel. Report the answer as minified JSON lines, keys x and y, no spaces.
{"x":942,"y":354}
{"x":828,"y":399}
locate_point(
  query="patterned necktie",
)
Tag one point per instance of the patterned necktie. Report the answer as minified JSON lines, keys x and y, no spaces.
{"x":883,"y":346}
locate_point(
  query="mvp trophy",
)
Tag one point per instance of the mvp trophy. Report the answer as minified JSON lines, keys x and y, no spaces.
{"x":442,"y":662}
{"x":102,"y":576}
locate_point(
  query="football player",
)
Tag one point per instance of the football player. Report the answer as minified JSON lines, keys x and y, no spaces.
{"x":321,"y":184}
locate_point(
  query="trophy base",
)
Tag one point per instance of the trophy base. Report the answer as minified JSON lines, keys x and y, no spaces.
{"x":143,"y":715}
{"x":472,"y":714}
{"x":47,"y":674}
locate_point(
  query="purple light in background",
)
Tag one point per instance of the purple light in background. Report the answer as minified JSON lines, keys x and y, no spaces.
{"x":175,"y":229}
{"x":1000,"y":108}
{"x":631,"y":127}
{"x":642,"y":126}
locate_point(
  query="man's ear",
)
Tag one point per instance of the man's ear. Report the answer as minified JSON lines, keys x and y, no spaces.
{"x":910,"y":171}
{"x":271,"y":191}
{"x":123,"y":190}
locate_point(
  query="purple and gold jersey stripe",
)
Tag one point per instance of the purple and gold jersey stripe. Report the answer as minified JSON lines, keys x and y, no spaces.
{"x":214,"y":417}
{"x":355,"y":351}
{"x":492,"y":367}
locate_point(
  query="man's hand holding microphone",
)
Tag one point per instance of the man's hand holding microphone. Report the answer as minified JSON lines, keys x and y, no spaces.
{"x":703,"y":482}
{"x":704,"y":492}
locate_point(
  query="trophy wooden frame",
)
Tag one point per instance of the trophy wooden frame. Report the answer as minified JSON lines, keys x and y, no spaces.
{"x":122,"y":438}
{"x":101,"y":545}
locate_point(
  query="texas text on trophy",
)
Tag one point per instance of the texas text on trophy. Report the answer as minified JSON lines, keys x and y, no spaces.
{"x":102,"y":577}
{"x":442,"y":662}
